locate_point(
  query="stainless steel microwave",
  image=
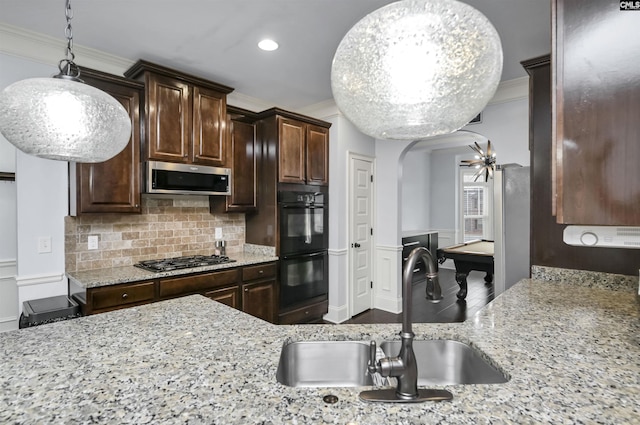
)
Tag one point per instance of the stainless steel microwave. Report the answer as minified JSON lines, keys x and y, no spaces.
{"x":186,"y":179}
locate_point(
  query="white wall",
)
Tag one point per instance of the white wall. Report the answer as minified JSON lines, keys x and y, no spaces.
{"x":40,"y":203}
{"x":344,"y":138}
{"x":416,"y":186}
{"x":506,"y":124}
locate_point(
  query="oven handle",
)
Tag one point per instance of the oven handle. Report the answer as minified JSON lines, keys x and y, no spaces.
{"x":313,"y":254}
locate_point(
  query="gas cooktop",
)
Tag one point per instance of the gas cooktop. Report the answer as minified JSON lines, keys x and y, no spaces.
{"x":188,"y":262}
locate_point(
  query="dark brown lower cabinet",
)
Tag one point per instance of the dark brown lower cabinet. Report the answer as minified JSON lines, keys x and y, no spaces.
{"x":308,"y":313}
{"x":252,"y":289}
{"x":229,"y":296}
{"x":258,"y":299}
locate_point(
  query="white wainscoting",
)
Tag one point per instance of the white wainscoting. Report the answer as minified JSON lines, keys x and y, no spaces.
{"x":447,"y":237}
{"x":338,"y":286}
{"x":8,"y":296}
{"x":387,"y":291}
{"x":34,"y":287}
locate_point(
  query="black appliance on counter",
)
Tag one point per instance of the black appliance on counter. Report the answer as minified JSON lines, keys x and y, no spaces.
{"x":176,"y":263}
{"x":48,"y":310}
{"x":304,"y":240}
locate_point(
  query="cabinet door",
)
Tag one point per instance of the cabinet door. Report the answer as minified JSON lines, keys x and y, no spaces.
{"x":244,"y":161}
{"x":209,"y":127}
{"x":228,"y":296}
{"x":291,"y":151}
{"x":317,"y":155}
{"x":169,"y":123}
{"x":259,"y":299}
{"x":113,"y":186}
{"x":596,"y":107}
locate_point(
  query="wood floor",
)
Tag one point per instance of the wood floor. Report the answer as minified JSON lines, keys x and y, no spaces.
{"x":449,"y":310}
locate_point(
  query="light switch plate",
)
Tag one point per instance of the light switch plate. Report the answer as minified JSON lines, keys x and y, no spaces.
{"x":44,"y":244}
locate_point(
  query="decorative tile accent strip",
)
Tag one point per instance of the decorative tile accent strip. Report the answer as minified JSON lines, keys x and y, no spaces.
{"x":617,"y":282}
{"x":167,"y":227}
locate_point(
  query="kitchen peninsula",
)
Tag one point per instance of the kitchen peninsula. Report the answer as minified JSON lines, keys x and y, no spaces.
{"x":570,"y":346}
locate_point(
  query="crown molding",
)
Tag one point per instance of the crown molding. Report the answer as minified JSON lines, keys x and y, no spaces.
{"x":16,"y":41}
{"x":48,"y":50}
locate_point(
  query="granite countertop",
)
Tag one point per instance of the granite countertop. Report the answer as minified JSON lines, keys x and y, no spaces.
{"x":125,"y":274}
{"x":572,"y":353}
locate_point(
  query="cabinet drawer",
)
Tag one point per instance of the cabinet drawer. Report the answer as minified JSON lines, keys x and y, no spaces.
{"x":259,"y":272}
{"x":114,"y":296}
{"x":196,"y":283}
{"x":305,"y":313}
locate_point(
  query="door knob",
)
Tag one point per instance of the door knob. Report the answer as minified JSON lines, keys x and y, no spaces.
{"x":357,"y":245}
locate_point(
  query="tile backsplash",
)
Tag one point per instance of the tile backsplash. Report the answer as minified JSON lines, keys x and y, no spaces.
{"x":167,"y":227}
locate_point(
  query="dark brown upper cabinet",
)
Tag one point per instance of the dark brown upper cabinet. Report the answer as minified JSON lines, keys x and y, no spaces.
{"x":596,"y":105}
{"x":244,"y":153}
{"x":303,"y":147}
{"x":112,"y":186}
{"x":185,"y":116}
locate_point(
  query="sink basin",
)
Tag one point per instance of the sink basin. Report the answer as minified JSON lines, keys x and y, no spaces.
{"x":447,"y":362}
{"x":324,"y":364}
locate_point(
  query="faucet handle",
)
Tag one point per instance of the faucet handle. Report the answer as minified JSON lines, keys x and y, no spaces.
{"x":373,"y":363}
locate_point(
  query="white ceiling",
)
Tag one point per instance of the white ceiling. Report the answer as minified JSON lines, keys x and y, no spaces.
{"x":218,"y":39}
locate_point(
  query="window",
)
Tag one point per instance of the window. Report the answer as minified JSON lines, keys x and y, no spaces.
{"x":476,"y":207}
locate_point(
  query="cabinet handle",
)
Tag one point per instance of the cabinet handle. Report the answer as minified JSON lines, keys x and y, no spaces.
{"x":261,"y":272}
{"x":246,"y":289}
{"x":411,"y":243}
{"x":306,"y":312}
{"x":125,"y":296}
{"x":137,"y":205}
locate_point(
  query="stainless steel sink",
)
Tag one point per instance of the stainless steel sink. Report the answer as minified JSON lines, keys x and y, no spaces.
{"x":447,"y":362}
{"x":324,"y":364}
{"x":344,"y":363}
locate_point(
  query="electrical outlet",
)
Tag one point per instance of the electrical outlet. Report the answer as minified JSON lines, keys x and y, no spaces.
{"x":218,"y":232}
{"x":92,"y":242}
{"x":44,"y":244}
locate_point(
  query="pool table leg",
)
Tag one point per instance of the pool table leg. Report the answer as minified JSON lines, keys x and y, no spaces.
{"x":461,"y":278}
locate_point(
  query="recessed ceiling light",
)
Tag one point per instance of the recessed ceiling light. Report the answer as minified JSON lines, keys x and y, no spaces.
{"x":268,"y":45}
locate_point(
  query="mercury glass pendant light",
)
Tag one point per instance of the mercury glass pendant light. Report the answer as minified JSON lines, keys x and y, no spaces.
{"x":416,"y":68}
{"x":62,"y":118}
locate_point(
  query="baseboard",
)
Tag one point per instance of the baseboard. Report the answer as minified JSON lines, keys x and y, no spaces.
{"x":337,"y":314}
{"x":8,"y":323}
{"x":391,"y":305}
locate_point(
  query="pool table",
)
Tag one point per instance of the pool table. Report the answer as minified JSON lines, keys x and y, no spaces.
{"x":473,"y":255}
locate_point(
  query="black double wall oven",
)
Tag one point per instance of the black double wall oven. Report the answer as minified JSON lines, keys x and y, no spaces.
{"x":304,"y":240}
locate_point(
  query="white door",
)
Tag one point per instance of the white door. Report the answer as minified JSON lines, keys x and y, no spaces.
{"x":361,"y":225}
